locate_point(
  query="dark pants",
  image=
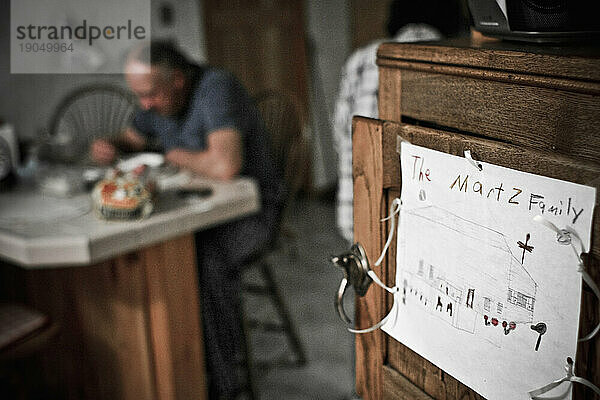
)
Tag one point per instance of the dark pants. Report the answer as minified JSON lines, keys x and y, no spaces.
{"x":222,"y":253}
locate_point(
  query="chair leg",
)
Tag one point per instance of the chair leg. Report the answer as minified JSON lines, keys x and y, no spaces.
{"x":288,"y":325}
{"x":248,"y":362}
{"x":291,"y":242}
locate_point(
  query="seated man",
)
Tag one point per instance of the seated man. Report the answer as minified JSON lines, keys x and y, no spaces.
{"x":205,"y":122}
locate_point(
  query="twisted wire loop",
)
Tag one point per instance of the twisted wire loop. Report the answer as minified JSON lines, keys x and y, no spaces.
{"x":395,"y":208}
{"x":569,"y":377}
{"x":568,"y":236}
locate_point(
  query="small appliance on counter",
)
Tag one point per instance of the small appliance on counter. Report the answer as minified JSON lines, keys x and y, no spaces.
{"x":9,"y":155}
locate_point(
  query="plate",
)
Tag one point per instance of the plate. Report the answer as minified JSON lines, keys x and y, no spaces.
{"x":152,"y":160}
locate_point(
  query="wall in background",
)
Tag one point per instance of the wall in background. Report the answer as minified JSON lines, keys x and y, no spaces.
{"x":328,"y":30}
{"x":28,"y":100}
{"x":186,"y":25}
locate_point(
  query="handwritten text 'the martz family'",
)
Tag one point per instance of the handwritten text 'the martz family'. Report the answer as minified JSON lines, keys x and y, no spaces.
{"x":509,"y":195}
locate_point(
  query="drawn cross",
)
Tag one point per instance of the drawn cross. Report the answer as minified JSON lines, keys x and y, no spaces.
{"x":525,"y":247}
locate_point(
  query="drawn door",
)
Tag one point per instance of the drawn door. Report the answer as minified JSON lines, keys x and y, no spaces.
{"x":386,"y":369}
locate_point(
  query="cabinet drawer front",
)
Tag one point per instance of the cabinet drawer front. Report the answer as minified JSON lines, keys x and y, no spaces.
{"x":423,"y":374}
{"x":557,"y":120}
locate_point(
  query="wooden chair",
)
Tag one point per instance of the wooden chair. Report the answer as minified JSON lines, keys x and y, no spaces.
{"x":87,"y":113}
{"x":283,"y":123}
{"x":23,"y":332}
{"x":281,"y":116}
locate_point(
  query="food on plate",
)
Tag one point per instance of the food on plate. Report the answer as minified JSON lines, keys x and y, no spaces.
{"x":122,"y":196}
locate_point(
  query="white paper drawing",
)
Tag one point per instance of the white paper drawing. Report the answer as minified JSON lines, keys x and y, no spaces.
{"x":487,"y":294}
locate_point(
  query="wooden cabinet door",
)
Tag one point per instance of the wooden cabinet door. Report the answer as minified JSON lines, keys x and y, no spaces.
{"x":262,"y":42}
{"x":386,"y":369}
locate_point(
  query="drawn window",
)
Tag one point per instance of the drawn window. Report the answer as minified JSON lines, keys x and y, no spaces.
{"x":487,"y":303}
{"x":520,"y":299}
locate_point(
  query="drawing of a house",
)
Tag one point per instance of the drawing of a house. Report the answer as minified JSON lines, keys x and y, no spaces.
{"x":463,"y":272}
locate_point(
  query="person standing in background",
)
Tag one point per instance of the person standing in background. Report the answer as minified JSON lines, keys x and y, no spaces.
{"x":408,"y":21}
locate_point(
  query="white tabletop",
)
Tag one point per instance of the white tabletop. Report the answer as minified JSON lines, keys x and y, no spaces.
{"x":39,"y":231}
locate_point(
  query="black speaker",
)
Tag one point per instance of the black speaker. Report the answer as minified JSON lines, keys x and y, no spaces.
{"x":536,"y":20}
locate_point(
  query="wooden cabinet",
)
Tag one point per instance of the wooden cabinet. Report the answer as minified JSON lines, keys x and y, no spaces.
{"x":129,"y":327}
{"x":531,"y":108}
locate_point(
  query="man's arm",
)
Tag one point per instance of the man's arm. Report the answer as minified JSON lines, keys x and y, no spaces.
{"x":222,"y":159}
{"x":104,"y":151}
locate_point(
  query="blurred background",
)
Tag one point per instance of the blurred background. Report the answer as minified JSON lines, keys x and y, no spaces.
{"x":296,"y":47}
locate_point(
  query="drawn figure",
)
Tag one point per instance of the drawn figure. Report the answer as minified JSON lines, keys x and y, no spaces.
{"x":486,"y":320}
{"x":540,"y":328}
{"x":449,"y":308}
{"x":439,"y":304}
{"x":470,"y":297}
{"x":525,"y":247}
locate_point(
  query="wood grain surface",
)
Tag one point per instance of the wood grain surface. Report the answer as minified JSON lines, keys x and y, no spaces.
{"x":529,"y":107}
{"x":569,"y":62}
{"x":544,"y":118}
{"x":369,"y":209}
{"x":129,"y":327}
{"x":175,"y":323}
{"x":396,"y":386}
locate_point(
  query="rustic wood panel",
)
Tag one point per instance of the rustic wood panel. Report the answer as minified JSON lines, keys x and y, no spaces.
{"x":571,"y":85}
{"x":102,"y":350}
{"x":175,"y":324}
{"x":129,"y":327}
{"x":369,"y":208}
{"x":564,"y":62}
{"x":390,"y":259}
{"x":390,"y":91}
{"x":262,"y":42}
{"x":391,"y":164}
{"x":540,"y":118}
{"x":421,"y":372}
{"x":395,"y":386}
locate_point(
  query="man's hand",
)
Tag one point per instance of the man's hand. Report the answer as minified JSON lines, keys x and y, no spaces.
{"x":103,"y":152}
{"x":180,"y":158}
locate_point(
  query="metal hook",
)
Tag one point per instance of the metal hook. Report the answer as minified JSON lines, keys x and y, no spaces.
{"x":356,"y":268}
{"x":339,"y":303}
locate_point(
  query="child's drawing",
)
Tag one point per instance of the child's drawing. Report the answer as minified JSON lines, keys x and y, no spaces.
{"x":492,"y":287}
{"x":487,"y":294}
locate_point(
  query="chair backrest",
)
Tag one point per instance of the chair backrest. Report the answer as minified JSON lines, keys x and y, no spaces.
{"x":281,"y":116}
{"x":86,"y":113}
